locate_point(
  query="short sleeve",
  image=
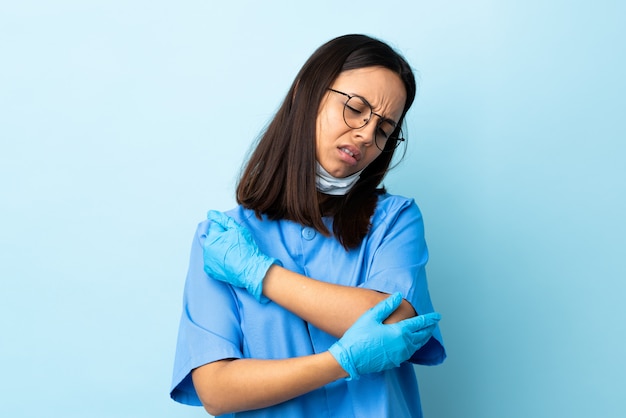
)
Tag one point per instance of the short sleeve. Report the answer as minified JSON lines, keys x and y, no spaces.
{"x":209,"y":325}
{"x":398,"y":264}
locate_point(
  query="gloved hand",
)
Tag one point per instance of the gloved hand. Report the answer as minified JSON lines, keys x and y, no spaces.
{"x":232,"y":256}
{"x":370,"y":346}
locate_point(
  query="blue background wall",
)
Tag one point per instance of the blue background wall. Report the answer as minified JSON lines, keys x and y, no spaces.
{"x":122,"y":122}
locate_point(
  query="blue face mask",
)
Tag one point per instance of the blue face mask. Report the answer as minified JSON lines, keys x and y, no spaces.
{"x":332,"y":185}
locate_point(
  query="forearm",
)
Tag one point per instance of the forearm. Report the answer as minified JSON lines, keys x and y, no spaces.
{"x":244,"y":384}
{"x":330,"y":307}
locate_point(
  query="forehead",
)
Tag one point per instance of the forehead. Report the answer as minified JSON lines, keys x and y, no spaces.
{"x":381,"y":87}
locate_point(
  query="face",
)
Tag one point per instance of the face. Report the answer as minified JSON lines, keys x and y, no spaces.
{"x":341,"y":150}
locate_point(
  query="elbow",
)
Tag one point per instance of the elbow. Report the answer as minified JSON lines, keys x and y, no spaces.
{"x":206,"y":382}
{"x":214,"y":409}
{"x":404,"y":311}
{"x":215,"y":405}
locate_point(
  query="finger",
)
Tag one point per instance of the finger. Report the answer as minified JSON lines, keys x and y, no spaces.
{"x":217,"y":217}
{"x":215,"y":228}
{"x":422,"y":321}
{"x":386,"y":307}
{"x":419,"y":338}
{"x":431,"y":317}
{"x":222,"y":219}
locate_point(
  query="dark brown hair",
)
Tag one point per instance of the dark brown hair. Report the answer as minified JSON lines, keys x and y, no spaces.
{"x":279,"y":178}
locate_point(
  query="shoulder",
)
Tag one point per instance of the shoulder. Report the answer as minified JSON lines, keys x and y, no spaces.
{"x":390,"y":207}
{"x":242,"y":215}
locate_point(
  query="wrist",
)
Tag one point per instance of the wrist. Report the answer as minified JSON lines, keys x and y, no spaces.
{"x":342,"y":357}
{"x":263,"y":270}
{"x":338,"y":372}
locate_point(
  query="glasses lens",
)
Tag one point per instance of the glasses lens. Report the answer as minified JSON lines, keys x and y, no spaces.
{"x":390,"y":142}
{"x":356,"y":112}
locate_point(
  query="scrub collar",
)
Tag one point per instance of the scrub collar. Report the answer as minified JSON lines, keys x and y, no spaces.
{"x":333,"y":185}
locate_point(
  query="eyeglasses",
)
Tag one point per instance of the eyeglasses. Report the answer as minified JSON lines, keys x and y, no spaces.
{"x":357,"y":112}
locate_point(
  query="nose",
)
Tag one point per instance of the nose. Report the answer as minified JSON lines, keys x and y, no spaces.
{"x":367,"y":133}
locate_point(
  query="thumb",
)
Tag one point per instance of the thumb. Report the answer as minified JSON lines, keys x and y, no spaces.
{"x":386,"y":307}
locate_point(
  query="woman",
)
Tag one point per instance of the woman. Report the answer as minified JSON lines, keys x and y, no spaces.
{"x":287,"y":310}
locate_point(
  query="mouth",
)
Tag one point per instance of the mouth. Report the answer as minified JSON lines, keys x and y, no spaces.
{"x":351,"y":152}
{"x":347,"y":151}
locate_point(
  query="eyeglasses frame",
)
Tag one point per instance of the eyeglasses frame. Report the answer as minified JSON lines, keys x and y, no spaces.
{"x":398,"y":138}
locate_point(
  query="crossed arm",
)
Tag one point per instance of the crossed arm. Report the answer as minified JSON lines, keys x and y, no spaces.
{"x":330,"y":307}
{"x":242,"y":384}
{"x":230,"y":385}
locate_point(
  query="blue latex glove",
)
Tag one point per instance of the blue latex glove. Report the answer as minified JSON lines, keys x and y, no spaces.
{"x":232,"y":256}
{"x":370,"y":346}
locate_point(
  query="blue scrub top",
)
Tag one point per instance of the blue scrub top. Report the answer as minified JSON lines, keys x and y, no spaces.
{"x":220,"y":321}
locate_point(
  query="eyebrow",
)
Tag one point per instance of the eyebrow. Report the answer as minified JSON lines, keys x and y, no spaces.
{"x":383,"y":118}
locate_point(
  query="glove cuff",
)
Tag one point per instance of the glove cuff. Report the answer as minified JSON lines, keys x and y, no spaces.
{"x":255,"y":288}
{"x":343,"y":358}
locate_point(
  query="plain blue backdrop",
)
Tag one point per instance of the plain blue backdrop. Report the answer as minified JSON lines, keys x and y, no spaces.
{"x":123,"y":122}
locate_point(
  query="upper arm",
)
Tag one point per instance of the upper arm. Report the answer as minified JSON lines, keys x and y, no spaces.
{"x":209,"y":327}
{"x":398,"y":264}
{"x":397,"y":253}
